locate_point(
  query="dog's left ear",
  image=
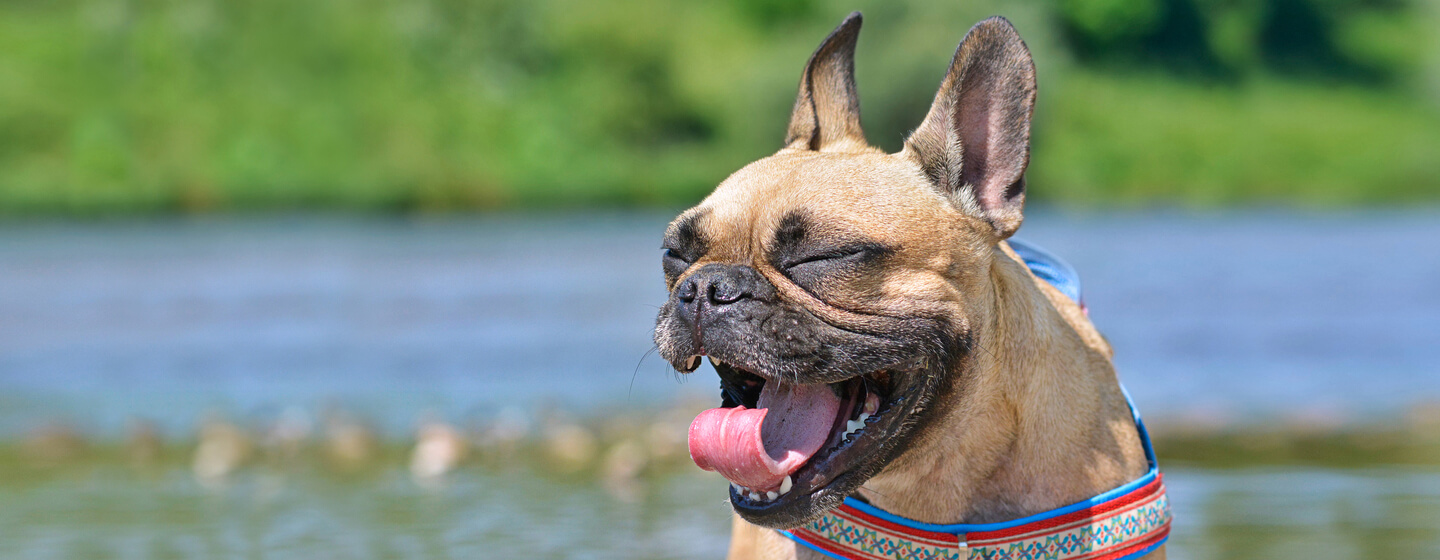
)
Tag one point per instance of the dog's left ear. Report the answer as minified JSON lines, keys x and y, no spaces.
{"x":975,"y":142}
{"x":827,"y":110}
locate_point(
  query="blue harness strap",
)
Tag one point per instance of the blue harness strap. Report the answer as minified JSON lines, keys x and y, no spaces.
{"x":1049,"y":268}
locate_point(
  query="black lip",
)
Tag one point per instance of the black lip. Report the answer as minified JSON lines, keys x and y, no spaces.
{"x":840,"y":468}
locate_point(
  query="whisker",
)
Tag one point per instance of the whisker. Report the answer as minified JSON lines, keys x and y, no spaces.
{"x":987,"y":350}
{"x":636,"y":373}
{"x":869,"y":489}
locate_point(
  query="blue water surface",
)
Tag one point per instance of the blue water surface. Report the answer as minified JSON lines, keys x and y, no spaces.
{"x":1251,"y":315}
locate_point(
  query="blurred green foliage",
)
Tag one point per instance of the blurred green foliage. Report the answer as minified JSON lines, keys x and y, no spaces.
{"x":124,"y":106}
{"x":1376,"y":41}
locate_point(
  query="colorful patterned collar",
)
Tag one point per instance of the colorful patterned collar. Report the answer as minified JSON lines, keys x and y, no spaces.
{"x":1127,"y":522}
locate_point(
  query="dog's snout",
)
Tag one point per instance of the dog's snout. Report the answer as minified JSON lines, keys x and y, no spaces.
{"x":720,"y":285}
{"x":715,"y":306}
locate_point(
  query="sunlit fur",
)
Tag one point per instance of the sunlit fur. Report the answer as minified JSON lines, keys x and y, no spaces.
{"x":1032,"y":416}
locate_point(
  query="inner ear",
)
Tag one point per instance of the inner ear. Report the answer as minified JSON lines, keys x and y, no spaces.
{"x":826,"y":116}
{"x":975,"y":142}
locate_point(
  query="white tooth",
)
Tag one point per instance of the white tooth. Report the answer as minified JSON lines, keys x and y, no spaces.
{"x":851,"y":427}
{"x":692,"y":363}
{"x":786,"y":485}
{"x":715,"y":362}
{"x":862,"y":417}
{"x":755,"y":496}
{"x":738,"y":489}
{"x":771,"y":495}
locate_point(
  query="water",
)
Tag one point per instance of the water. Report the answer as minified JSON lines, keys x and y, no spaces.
{"x":1263,"y":314}
{"x":1240,"y":314}
{"x":110,"y":514}
{"x":169,"y":321}
{"x":1246,"y":318}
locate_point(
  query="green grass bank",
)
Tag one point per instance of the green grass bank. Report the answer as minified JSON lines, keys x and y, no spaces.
{"x":160,"y":106}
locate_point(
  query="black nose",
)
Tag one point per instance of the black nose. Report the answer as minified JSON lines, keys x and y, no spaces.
{"x":720,"y":284}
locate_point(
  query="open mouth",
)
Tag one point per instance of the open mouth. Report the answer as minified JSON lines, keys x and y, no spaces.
{"x":791,"y":450}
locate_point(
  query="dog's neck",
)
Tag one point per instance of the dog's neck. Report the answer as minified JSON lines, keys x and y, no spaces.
{"x":1035,"y":419}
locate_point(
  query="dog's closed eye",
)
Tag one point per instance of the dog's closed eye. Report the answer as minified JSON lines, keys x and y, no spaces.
{"x":814,"y":269}
{"x":854,"y":252}
{"x":674,"y":262}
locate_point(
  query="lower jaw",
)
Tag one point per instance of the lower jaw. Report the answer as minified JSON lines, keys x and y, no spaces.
{"x":796,"y":509}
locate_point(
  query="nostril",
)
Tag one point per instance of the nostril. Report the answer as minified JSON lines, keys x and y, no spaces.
{"x":687,"y":291}
{"x":722,"y":293}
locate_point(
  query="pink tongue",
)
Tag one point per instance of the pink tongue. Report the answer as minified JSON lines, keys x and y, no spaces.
{"x":757,"y":448}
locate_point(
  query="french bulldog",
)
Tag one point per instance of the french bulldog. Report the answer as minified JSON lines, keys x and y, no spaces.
{"x":874,"y":333}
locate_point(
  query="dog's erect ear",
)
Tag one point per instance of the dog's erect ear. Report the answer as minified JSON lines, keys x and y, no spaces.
{"x":975,"y":142}
{"x":827,"y":110}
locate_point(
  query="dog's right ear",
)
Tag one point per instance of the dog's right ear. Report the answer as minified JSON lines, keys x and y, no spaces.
{"x":827,"y":110}
{"x":975,"y":143}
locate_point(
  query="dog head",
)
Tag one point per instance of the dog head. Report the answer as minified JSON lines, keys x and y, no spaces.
{"x":836,"y":288}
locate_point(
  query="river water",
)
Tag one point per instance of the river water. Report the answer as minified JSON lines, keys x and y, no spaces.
{"x":1239,"y":318}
